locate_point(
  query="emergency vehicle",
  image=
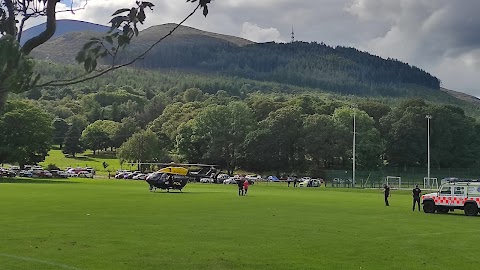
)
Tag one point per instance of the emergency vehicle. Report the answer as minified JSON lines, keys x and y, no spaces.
{"x":454,"y":195}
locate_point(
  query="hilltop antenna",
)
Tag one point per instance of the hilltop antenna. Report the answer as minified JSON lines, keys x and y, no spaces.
{"x":293,"y":35}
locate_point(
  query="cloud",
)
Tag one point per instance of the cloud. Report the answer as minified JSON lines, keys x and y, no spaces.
{"x":255,"y":33}
{"x":440,"y":36}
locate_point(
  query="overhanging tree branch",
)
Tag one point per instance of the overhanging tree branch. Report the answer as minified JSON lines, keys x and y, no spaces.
{"x":112,"y":68}
{"x":49,"y":31}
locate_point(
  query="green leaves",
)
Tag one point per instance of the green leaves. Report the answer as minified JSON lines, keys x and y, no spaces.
{"x":123,"y":29}
{"x":203,"y":4}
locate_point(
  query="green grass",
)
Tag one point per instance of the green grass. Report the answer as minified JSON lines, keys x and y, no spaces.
{"x":112,"y":224}
{"x":87,"y":159}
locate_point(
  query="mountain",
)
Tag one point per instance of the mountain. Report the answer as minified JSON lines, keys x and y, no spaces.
{"x":64,"y":27}
{"x":336,"y":69}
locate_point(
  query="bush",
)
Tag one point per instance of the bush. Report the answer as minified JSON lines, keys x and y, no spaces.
{"x":52,"y":167}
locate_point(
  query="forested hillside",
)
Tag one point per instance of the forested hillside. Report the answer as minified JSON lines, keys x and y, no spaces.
{"x":336,"y":69}
{"x":340,"y":69}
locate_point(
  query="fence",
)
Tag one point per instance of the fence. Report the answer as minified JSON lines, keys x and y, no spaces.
{"x":409,"y":176}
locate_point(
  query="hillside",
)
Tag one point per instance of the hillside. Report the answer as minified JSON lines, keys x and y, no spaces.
{"x":462,"y":96}
{"x":71,"y":35}
{"x":64,"y":27}
{"x":337,"y":69}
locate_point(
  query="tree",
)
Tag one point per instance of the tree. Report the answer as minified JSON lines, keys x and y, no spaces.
{"x":60,"y":128}
{"x":25,"y":132}
{"x":369,"y":144}
{"x":16,"y":66}
{"x":277,"y":144}
{"x":143,"y":146}
{"x":72,"y":143}
{"x":217,"y":134}
{"x":324,"y":140}
{"x":94,"y":138}
{"x":405,"y":130}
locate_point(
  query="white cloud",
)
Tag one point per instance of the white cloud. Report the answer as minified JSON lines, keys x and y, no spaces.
{"x":255,"y":33}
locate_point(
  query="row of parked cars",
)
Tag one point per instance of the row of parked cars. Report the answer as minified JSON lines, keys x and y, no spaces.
{"x":38,"y":172}
{"x":126,"y":174}
{"x":226,"y":179}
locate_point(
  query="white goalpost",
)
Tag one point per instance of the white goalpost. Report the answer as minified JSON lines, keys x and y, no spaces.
{"x":430,"y":183}
{"x":394,"y":181}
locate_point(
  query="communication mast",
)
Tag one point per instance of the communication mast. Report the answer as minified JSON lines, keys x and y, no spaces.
{"x":293,"y":35}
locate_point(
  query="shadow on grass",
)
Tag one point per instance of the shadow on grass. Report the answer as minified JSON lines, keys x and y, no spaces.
{"x":101,"y":156}
{"x":33,"y":181}
{"x":83,"y":158}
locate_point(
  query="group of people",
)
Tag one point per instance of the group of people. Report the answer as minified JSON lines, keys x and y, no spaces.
{"x":242,"y":184}
{"x":416,"y":193}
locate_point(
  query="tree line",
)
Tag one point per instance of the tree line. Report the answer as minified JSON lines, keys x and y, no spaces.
{"x":261,"y":132}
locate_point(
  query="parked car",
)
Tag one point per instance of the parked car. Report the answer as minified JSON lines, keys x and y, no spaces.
{"x":71,"y":173}
{"x":59,"y":174}
{"x":121,"y":174}
{"x":207,"y":180}
{"x":85,"y":174}
{"x":140,"y":176}
{"x":7,"y":173}
{"x":253,"y":178}
{"x":231,"y":180}
{"x":25,"y":173}
{"x":310,"y":183}
{"x":41,"y":174}
{"x":273,"y":178}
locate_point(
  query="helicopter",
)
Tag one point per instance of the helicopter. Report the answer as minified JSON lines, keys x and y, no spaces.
{"x":176,"y":177}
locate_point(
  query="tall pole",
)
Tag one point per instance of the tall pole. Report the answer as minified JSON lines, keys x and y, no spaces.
{"x":354,"y":133}
{"x":429,"y":117}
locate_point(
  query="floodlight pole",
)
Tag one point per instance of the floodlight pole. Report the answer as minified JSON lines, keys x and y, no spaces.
{"x":354,"y":133}
{"x":429,"y":117}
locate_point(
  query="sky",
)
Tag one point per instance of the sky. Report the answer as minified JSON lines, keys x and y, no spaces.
{"x":439,"y":36}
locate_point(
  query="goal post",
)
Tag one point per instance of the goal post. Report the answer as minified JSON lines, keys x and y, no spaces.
{"x":394,"y":181}
{"x":430,"y":183}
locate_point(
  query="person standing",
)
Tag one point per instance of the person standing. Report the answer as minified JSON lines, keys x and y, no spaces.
{"x":240,"y":186}
{"x":416,"y":192}
{"x":386,"y":192}
{"x":245,"y":187}
{"x":295,"y":182}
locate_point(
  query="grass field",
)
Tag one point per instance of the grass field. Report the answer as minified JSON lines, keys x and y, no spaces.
{"x":117,"y":224}
{"x":87,"y":159}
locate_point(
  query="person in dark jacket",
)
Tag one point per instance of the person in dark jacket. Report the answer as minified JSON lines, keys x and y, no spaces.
{"x":416,"y":192}
{"x":240,"y":186}
{"x":386,"y":192}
